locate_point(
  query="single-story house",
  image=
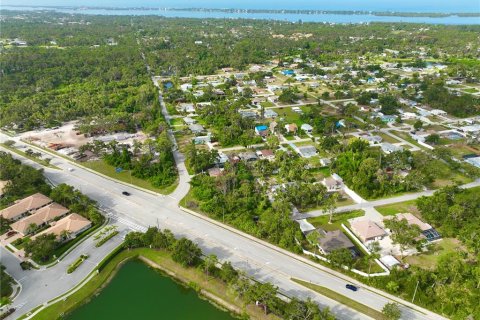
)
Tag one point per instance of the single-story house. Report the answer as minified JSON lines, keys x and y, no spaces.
{"x":329,"y":241}
{"x":186,"y":107}
{"x":325,"y":162}
{"x":273,"y":99}
{"x":307,"y":151}
{"x":474,"y":161}
{"x":188,"y":121}
{"x":297,"y":110}
{"x":372,"y":139}
{"x":25,"y":206}
{"x":261,"y":130}
{"x":266,"y":154}
{"x":331,"y":184}
{"x":248,"y":156}
{"x":427,"y":230}
{"x":202,"y":139}
{"x":438,"y":112}
{"x":40,"y":218}
{"x":292,"y":127}
{"x":196,"y":128}
{"x":270,"y":114}
{"x":186,"y":86}
{"x":389,"y":261}
{"x":389,"y":148}
{"x":215,"y":172}
{"x":248,"y":114}
{"x":388,"y":118}
{"x":306,"y":127}
{"x":367,"y":230}
{"x":222,"y":159}
{"x":72,"y":224}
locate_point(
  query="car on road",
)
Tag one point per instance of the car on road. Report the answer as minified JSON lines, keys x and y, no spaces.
{"x":70,"y":169}
{"x":126,"y":193}
{"x":351,"y":287}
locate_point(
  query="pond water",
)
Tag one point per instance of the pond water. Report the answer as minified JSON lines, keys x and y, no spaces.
{"x":140,"y":292}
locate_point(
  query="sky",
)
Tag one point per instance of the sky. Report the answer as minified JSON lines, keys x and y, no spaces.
{"x":373,"y":5}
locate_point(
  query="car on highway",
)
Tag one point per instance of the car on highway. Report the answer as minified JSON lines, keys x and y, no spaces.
{"x":126,"y":193}
{"x":351,"y":287}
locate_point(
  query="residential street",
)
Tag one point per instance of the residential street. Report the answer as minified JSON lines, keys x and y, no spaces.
{"x":258,"y":259}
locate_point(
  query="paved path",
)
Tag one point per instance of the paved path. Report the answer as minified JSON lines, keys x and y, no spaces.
{"x":369,"y":205}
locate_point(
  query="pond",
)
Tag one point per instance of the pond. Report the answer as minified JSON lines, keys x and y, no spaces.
{"x":140,"y":292}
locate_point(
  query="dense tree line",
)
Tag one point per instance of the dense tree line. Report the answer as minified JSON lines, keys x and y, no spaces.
{"x":234,"y":198}
{"x":188,"y":254}
{"x":22,"y":180}
{"x":455,"y":212}
{"x":439,"y":97}
{"x":5,"y":283}
{"x":154,"y":163}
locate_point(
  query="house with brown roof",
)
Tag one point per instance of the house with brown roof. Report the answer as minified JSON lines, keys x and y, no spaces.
{"x":331,"y":184}
{"x":291,"y":128}
{"x":266,"y":154}
{"x":367,"y":230}
{"x":329,"y":241}
{"x":72,"y":225}
{"x":23,"y":207}
{"x":40,"y":218}
{"x":411,"y":220}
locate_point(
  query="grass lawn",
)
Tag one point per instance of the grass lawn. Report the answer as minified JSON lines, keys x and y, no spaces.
{"x":387,"y":138}
{"x":400,"y":207}
{"x":124,"y":176}
{"x":407,"y":137}
{"x":23,"y":154}
{"x":267,"y":104}
{"x":176,"y":122}
{"x":341,"y":298}
{"x":460,"y":149}
{"x":338,"y":219}
{"x":442,"y":248}
{"x":451,"y":180}
{"x":470,"y":90}
{"x":161,"y":258}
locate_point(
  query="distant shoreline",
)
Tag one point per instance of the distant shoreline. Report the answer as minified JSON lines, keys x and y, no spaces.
{"x":269,"y":11}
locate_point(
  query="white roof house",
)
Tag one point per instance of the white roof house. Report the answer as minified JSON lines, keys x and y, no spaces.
{"x":389,"y":148}
{"x":306,"y":127}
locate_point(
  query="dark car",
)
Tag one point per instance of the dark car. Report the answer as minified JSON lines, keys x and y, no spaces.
{"x":351,"y":287}
{"x":126,"y":193}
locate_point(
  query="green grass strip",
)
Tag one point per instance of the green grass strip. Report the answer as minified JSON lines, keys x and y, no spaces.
{"x":23,"y":154}
{"x":341,"y":298}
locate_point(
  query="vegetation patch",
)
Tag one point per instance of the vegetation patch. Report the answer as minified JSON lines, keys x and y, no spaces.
{"x":77,"y":263}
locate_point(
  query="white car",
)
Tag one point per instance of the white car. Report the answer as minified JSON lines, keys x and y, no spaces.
{"x":70,"y":169}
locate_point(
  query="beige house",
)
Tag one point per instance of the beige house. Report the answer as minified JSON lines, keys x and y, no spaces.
{"x":40,"y":218}
{"x":68,"y":227}
{"x":412,"y":220}
{"x":25,"y":206}
{"x":367,"y":230}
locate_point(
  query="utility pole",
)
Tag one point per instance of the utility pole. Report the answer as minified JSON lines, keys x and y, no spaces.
{"x":415,"y":292}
